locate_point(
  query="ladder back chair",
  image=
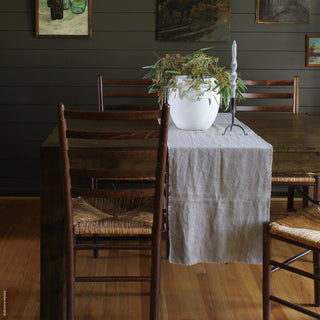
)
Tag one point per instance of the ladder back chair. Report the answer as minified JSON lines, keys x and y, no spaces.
{"x":126,"y":94}
{"x":259,"y":98}
{"x":301,"y":230}
{"x":124,"y":146}
{"x":279,"y":96}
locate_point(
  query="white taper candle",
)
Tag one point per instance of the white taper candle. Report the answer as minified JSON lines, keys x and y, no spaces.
{"x":233,"y":69}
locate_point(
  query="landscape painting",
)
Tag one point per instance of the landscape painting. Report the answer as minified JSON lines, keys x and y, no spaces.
{"x":63,"y":18}
{"x":278,"y":11}
{"x":193,"y":20}
{"x":313,"y":50}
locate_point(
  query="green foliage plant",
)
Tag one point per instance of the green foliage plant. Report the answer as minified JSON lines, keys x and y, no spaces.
{"x":199,"y":67}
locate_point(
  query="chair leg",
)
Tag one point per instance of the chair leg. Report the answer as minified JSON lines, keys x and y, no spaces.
{"x":154,"y":299}
{"x":316,"y":191}
{"x":70,"y":287}
{"x":305,"y":200}
{"x":95,"y":185}
{"x":266,"y":271}
{"x":316,"y":270}
{"x":290,"y":198}
{"x":155,"y":276}
{"x":95,"y":251}
{"x":167,"y":245}
{"x":167,"y":214}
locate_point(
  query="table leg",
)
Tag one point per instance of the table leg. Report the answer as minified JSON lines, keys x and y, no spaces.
{"x":52,"y":302}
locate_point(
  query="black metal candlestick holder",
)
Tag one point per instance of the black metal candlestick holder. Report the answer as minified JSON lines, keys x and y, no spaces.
{"x":230,"y":126}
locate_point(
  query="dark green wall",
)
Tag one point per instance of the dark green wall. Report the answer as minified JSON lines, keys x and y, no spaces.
{"x":36,"y":74}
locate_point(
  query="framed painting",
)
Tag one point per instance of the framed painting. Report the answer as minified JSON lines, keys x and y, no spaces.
{"x":63,"y":18}
{"x":193,"y":20}
{"x":313,"y":50}
{"x":275,"y":11}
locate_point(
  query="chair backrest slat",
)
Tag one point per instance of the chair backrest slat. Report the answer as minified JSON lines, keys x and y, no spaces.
{"x":146,"y":174}
{"x":133,"y":107}
{"x":108,"y":193}
{"x":265,"y":108}
{"x":113,"y":115}
{"x":129,"y":94}
{"x":260,"y":90}
{"x":268,"y":95}
{"x":269,"y":82}
{"x":147,"y":82}
{"x":98,"y":135}
{"x":147,"y":153}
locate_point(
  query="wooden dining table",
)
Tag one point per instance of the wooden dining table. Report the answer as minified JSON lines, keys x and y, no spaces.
{"x":296,"y":147}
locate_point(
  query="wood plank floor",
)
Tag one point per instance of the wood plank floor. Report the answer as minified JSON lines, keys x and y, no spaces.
{"x":199,"y":292}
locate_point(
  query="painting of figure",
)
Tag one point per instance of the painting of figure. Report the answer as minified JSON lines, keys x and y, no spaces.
{"x":193,"y":20}
{"x":279,"y":11}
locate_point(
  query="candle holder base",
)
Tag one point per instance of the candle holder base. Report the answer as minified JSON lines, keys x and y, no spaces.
{"x":230,"y":126}
{"x":234,"y":125}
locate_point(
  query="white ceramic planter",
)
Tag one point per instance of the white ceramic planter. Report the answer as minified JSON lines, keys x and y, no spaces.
{"x":187,"y":111}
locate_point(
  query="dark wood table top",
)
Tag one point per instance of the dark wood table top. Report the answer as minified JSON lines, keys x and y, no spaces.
{"x":295,"y":139}
{"x":285,"y":131}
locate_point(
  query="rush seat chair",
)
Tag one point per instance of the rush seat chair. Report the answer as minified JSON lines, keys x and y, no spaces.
{"x":301,"y":230}
{"x":129,"y":147}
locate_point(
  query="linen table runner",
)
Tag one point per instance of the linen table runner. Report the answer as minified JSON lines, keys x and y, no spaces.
{"x":219,"y":193}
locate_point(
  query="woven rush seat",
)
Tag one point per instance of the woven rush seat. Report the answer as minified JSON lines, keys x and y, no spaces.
{"x":296,"y":177}
{"x":89,"y":220}
{"x":303,"y":226}
{"x":112,"y":227}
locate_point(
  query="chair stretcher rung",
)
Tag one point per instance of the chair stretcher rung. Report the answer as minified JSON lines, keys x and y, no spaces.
{"x":134,"y":193}
{"x":295,"y":270}
{"x":113,"y":246}
{"x":295,"y":307}
{"x":113,"y":279}
{"x":291,"y":260}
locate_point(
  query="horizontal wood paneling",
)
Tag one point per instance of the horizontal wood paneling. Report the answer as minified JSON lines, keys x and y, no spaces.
{"x":111,"y":41}
{"x":24,"y":76}
{"x":69,"y":59}
{"x":19,"y":186}
{"x":145,"y":21}
{"x":145,"y":42}
{"x":19,"y":150}
{"x":84,"y":97}
{"x":36,"y":74}
{"x":25,"y":131}
{"x":20,"y":168}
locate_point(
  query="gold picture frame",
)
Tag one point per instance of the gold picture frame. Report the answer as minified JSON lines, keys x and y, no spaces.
{"x":63,"y":18}
{"x":273,"y":11}
{"x":312,"y":50}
